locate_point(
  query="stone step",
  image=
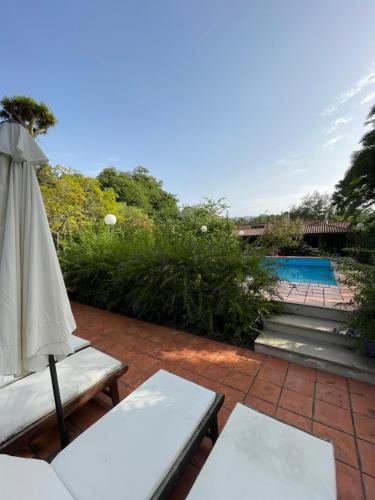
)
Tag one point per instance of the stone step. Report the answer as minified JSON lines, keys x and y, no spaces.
{"x":330,"y":357}
{"x":318,"y":329}
{"x":331,"y":313}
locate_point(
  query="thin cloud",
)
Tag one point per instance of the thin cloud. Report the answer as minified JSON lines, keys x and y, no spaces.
{"x":329,"y":110}
{"x":289,"y":161}
{"x":300,"y":171}
{"x":368,"y":98}
{"x":329,"y":145}
{"x":337,"y":123}
{"x":361,"y":84}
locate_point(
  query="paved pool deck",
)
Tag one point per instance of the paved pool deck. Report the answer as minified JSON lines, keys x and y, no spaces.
{"x":330,"y":406}
{"x":338,"y":296}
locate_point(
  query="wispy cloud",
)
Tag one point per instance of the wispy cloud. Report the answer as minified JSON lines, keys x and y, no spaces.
{"x":361,"y":84}
{"x":290,"y":164}
{"x":337,"y":123}
{"x":328,"y":111}
{"x":329,"y":145}
{"x":289,"y":161}
{"x":368,"y":98}
{"x":300,"y":171}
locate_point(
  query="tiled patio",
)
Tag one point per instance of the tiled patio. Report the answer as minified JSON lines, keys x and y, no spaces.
{"x":326,"y":405}
{"x":316,"y":294}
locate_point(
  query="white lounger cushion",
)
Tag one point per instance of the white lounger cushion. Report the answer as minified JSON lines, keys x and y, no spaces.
{"x":77,"y":343}
{"x":128,"y":452}
{"x":259,"y":457}
{"x":31,"y":398}
{"x":29,"y":479}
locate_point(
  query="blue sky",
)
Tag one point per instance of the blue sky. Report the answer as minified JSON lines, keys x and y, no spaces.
{"x":259,"y":102}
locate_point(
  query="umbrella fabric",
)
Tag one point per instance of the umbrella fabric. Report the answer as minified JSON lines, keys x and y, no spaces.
{"x":35,"y":315}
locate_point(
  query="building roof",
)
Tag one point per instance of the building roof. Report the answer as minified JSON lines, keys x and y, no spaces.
{"x":325,"y":227}
{"x":251,"y":230}
{"x":310,"y":227}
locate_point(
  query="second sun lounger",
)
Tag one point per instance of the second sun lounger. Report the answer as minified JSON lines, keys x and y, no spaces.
{"x":135,"y":452}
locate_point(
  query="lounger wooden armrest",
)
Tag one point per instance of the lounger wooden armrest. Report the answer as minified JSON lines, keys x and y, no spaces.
{"x":106,"y":383}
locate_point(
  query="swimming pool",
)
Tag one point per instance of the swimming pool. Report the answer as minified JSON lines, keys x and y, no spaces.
{"x":303,"y":269}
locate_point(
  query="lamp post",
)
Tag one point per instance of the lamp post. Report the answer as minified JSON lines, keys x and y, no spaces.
{"x":359,"y":227}
{"x":110,"y":219}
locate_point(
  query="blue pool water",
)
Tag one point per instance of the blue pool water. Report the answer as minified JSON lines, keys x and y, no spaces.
{"x":302,"y":269}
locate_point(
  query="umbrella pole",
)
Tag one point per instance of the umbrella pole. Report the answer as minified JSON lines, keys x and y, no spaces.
{"x":64,"y":437}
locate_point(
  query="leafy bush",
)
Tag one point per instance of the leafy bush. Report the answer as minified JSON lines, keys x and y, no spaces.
{"x":362,"y":278}
{"x":178,"y":273}
{"x":364,"y":255}
{"x":303,"y":249}
{"x":365,"y":241}
{"x":281,"y":235}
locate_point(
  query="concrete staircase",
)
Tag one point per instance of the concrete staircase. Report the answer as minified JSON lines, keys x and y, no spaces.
{"x":312,"y":336}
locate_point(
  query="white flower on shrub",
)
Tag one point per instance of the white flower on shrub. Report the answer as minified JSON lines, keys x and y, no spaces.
{"x":204,"y":229}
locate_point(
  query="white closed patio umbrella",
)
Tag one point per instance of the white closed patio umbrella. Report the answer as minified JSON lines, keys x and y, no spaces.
{"x":36,"y":321}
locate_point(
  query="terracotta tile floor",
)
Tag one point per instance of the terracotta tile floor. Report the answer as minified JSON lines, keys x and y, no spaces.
{"x":314,"y":294}
{"x":330,"y":406}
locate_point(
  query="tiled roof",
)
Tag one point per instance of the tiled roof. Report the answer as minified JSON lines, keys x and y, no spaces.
{"x":310,"y":227}
{"x":325,"y":227}
{"x":251,"y":230}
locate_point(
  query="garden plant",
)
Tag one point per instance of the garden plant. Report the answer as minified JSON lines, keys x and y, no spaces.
{"x":188,"y":272}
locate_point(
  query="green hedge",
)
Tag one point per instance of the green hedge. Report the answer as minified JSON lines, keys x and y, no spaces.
{"x":175,"y":274}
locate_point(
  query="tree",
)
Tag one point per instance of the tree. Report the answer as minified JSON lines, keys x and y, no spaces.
{"x":140,"y":189}
{"x":35,"y":116}
{"x":357,"y":189}
{"x":47,"y":175}
{"x":73,"y":202}
{"x":163,"y":204}
{"x":282,"y":234}
{"x":126,"y":188}
{"x":312,"y":206}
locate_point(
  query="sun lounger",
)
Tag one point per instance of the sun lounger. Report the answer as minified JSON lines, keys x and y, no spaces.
{"x":77,"y":342}
{"x":259,"y":457}
{"x":136,"y":451}
{"x":27,"y":406}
